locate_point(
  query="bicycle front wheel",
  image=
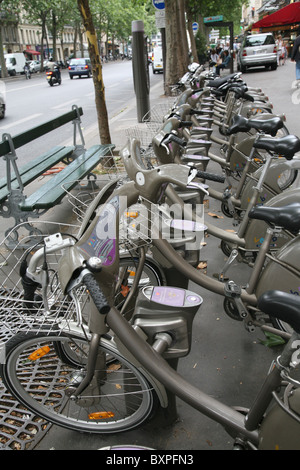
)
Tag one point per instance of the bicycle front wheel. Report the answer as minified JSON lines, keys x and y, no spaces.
{"x":41,"y":369}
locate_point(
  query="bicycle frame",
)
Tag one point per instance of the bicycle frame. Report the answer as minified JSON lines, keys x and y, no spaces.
{"x":132,"y":340}
{"x":149,"y":183}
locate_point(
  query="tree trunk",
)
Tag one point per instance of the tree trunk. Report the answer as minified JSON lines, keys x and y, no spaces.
{"x":172,"y":50}
{"x":93,"y":48}
{"x":81,"y":42}
{"x":62,"y":45}
{"x":54,"y":34}
{"x":182,"y":34}
{"x":190,"y":21}
{"x":75,"y":40}
{"x":2,"y":58}
{"x":43,"y":17}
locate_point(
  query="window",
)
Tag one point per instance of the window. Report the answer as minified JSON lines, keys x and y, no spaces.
{"x":259,"y":40}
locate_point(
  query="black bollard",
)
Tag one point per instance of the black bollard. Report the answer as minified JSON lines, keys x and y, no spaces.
{"x":140,"y":68}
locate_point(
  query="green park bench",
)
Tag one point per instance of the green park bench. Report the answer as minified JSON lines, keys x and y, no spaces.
{"x":79,"y":163}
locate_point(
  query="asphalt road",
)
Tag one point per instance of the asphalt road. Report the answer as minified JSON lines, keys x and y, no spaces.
{"x":32,"y":102}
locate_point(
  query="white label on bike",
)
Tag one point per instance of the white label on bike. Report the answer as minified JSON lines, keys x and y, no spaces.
{"x":296,"y":355}
{"x":140,"y":178}
{"x":102,"y":241}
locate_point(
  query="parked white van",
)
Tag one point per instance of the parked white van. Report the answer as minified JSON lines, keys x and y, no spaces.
{"x":157,"y":60}
{"x":15,"y":63}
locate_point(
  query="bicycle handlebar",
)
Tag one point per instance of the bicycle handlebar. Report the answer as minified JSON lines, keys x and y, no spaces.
{"x":96,"y":293}
{"x":174,"y":138}
{"x":210,"y":176}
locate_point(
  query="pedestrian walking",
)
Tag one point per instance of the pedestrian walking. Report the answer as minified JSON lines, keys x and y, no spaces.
{"x":284,"y":52}
{"x":279,"y":44}
{"x":295,"y":57}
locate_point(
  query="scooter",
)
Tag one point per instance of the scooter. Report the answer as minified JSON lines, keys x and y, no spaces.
{"x":53,"y":77}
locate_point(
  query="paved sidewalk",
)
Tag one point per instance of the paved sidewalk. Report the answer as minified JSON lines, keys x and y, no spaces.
{"x":127,"y":118}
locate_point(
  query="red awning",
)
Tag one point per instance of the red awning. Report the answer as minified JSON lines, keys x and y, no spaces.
{"x":30,"y":51}
{"x":285,"y":16}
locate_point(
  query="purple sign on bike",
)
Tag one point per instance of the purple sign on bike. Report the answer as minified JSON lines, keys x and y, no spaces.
{"x":160,"y":5}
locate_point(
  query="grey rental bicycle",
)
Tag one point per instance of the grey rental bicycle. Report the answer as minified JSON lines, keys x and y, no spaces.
{"x":89,"y":369}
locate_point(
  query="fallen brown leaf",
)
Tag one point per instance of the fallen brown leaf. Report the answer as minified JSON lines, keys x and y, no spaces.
{"x":202,"y":265}
{"x":212,"y":214}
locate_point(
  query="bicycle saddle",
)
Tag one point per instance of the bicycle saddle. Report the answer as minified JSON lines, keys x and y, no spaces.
{"x":286,"y":146}
{"x":281,"y":305}
{"x":287,"y":216}
{"x":220,"y":81}
{"x":241,"y":93}
{"x":242,"y":124}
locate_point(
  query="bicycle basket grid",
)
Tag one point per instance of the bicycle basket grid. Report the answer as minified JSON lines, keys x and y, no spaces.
{"x":85,"y":191}
{"x":15,"y":313}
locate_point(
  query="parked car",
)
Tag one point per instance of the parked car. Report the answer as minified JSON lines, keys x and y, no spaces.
{"x":34,"y":66}
{"x":257,"y":50}
{"x":157,"y":60}
{"x":80,"y":67}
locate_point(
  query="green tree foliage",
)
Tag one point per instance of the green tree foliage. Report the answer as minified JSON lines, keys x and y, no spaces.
{"x":113,"y":19}
{"x":230,"y":9}
{"x":201,"y":46}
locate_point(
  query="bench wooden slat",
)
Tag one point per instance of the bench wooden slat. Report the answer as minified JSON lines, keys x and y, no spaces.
{"x":33,"y":169}
{"x":52,"y":192}
{"x":36,"y":167}
{"x":25,"y":137}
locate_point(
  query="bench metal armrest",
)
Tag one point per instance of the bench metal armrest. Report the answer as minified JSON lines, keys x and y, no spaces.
{"x":10,"y":159}
{"x":77,"y":128}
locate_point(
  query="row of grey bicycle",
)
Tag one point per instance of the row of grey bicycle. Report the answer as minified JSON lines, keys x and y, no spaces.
{"x":105,"y":310}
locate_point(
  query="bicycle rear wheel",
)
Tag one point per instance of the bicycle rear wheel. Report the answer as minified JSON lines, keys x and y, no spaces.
{"x":151,"y":275}
{"x":41,"y":368}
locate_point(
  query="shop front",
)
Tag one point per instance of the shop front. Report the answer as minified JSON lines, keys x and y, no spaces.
{"x":285,"y":22}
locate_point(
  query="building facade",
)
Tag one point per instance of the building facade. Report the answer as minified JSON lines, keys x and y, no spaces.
{"x":21,"y":36}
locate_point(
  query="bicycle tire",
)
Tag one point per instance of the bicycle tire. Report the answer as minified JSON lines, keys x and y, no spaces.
{"x":151,"y":275}
{"x":289,"y":176}
{"x":126,"y":401}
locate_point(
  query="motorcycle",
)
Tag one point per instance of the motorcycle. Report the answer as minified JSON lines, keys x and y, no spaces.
{"x":53,"y":77}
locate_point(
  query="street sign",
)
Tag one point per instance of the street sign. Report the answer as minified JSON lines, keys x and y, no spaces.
{"x":160,"y":21}
{"x":211,"y":19}
{"x":195,"y":26}
{"x":160,"y":5}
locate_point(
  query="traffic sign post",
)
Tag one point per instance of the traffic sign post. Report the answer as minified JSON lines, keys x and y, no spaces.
{"x":160,"y":5}
{"x":161,"y":24}
{"x":195,"y":27}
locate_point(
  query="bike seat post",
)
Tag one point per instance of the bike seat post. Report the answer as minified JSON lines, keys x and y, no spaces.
{"x":244,"y":173}
{"x":271,"y":383}
{"x":230,"y":147}
{"x":253,"y":200}
{"x":260,"y":260}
